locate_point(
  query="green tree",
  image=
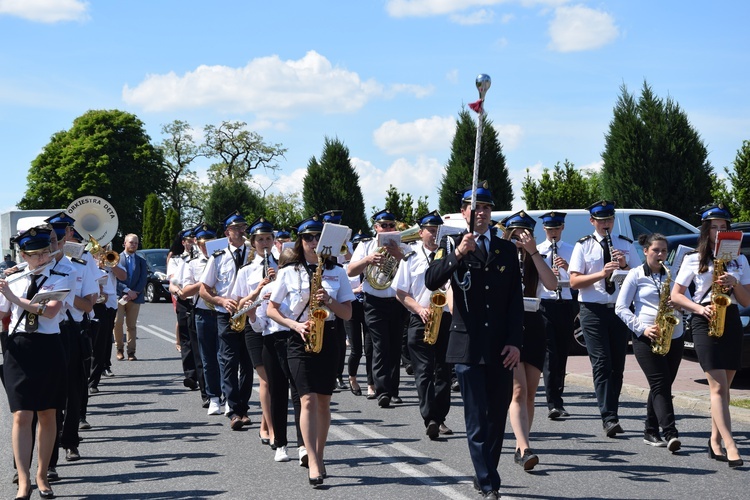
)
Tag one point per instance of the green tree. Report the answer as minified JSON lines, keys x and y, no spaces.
{"x":460,"y":167}
{"x":179,"y":150}
{"x":106,"y":153}
{"x":402,"y":205}
{"x":228,"y":195}
{"x":153,"y":222}
{"x":653,"y":158}
{"x":739,"y":178}
{"x":333,"y":184}
{"x":240,"y":151}
{"x":564,"y":187}
{"x":171,"y":227}
{"x":284,"y":210}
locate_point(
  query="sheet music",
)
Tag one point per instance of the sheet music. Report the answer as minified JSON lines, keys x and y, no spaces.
{"x":44,"y":297}
{"x":392,"y":237}
{"x":332,"y":238}
{"x":531,"y":304}
{"x":728,"y":244}
{"x":213,"y":245}
{"x":73,"y":250}
{"x":618,"y":276}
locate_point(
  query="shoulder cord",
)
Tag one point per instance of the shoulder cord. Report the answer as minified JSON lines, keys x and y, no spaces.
{"x":464,"y":284}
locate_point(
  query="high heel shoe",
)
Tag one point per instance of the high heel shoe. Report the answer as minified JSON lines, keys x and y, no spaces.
{"x":264,"y":441}
{"x":735,"y":463}
{"x":315,"y":481}
{"x":719,"y":458}
{"x":46,"y":493}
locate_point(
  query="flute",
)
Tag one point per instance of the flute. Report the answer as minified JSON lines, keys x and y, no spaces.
{"x":247,"y":308}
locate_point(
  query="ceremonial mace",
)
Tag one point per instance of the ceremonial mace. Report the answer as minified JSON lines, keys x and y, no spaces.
{"x":483,"y":83}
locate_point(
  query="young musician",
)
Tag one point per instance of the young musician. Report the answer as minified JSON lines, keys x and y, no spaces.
{"x":646,"y":289}
{"x":595,"y":257}
{"x":719,"y":357}
{"x":486,"y":329}
{"x":558,"y":312}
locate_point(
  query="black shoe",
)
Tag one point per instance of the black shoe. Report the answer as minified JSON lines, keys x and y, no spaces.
{"x":409,"y":369}
{"x":476,"y":485}
{"x":371,"y":395}
{"x":433,"y":429}
{"x":735,"y":463}
{"x":46,"y":494}
{"x":356,"y":391}
{"x":108,"y":373}
{"x":52,"y":474}
{"x":653,"y":440}
{"x":190,"y":383}
{"x":528,"y":460}
{"x":445,"y":430}
{"x":315,"y":481}
{"x":673,"y":444}
{"x":340,"y":384}
{"x":71,"y":455}
{"x":206,"y":403}
{"x":396,"y":400}
{"x":264,"y":441}
{"x":491,"y":494}
{"x":611,"y":428}
{"x":454,"y":386}
{"x":384,"y":401}
{"x":517,"y":456}
{"x":713,"y":456}
{"x":554,"y":414}
{"x":563,"y":412}
{"x":15,"y":478}
{"x":83,"y":425}
{"x":93,"y":390}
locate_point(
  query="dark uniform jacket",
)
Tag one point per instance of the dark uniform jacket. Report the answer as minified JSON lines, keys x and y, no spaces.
{"x":494,"y":317}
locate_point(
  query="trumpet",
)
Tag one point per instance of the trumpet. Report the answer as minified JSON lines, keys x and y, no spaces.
{"x":107,"y":258}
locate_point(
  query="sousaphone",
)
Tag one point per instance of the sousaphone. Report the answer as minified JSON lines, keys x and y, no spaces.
{"x":95,"y":218}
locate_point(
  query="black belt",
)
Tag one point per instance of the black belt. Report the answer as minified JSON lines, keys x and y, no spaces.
{"x":556,"y":301}
{"x":371,"y":296}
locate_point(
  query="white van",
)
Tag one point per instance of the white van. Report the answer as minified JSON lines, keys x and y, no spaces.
{"x":630,"y":222}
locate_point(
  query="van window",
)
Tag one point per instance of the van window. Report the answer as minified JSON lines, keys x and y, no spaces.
{"x":647,"y":224}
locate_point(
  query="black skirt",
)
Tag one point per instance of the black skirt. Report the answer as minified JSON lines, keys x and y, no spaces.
{"x":254,"y":344}
{"x":34,"y":372}
{"x":534,"y":347}
{"x":719,"y":353}
{"x":314,"y":373}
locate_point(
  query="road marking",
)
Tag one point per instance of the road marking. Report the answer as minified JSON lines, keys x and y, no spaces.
{"x":154,"y":330}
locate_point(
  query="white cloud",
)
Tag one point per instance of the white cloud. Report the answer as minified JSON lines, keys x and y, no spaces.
{"x":267,"y":86}
{"x":577,"y":28}
{"x":46,"y":11}
{"x":481,"y":16}
{"x":452,"y":76}
{"x":419,"y":136}
{"x":510,"y":135}
{"x":420,"y":178}
{"x":282,"y":183}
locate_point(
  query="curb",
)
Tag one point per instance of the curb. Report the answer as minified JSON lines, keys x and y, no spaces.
{"x":680,"y":400}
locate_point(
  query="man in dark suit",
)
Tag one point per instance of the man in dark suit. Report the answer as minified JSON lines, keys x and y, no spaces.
{"x":486,"y":330}
{"x":131,"y":296}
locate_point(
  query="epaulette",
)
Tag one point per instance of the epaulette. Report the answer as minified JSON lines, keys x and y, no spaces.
{"x":408,"y":255}
{"x":78,"y":261}
{"x":585,"y":238}
{"x":363,"y":240}
{"x":57,"y":273}
{"x":246,"y":264}
{"x":624,"y":238}
{"x":690,"y":253}
{"x":217,"y":252}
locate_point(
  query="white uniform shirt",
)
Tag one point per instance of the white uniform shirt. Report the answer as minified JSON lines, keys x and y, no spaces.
{"x":262,"y":322}
{"x":588,"y":258}
{"x":293,"y":289}
{"x":85,"y":284}
{"x":220,"y":272}
{"x":53,"y":282}
{"x":190,"y":274}
{"x":364,"y":249}
{"x":564,"y":250}
{"x":110,"y":288}
{"x":688,"y":273}
{"x":644,"y":292}
{"x":250,"y":276}
{"x":410,"y":275}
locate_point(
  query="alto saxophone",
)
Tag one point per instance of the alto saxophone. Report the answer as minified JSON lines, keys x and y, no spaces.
{"x":666,"y":319}
{"x":438,"y":299}
{"x":318,"y":313}
{"x":719,"y":299}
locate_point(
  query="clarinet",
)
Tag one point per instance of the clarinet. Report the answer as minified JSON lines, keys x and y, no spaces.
{"x":558,"y":290}
{"x":520,"y":265}
{"x":266,"y":263}
{"x":608,"y":239}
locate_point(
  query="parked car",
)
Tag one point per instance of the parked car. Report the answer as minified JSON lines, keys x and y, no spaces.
{"x":157,"y":286}
{"x":691,"y":240}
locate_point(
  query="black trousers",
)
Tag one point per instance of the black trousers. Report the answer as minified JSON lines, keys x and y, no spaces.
{"x":192,"y":366}
{"x":237,"y":376}
{"x":660,"y":372}
{"x":385,"y":322}
{"x":558,"y":316}
{"x":101,"y":342}
{"x":75,"y":337}
{"x":360,"y":341}
{"x":432,"y":375}
{"x":279,"y":383}
{"x":606,"y":342}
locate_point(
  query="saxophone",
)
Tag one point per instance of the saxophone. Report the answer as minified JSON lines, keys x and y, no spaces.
{"x":438,"y":299}
{"x":666,"y":319}
{"x":720,"y":300}
{"x":318,"y":313}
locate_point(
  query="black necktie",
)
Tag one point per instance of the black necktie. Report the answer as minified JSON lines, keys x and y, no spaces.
{"x":431,"y":257}
{"x":237,"y":258}
{"x":481,"y":251}
{"x":32,"y":323}
{"x":609,"y":285}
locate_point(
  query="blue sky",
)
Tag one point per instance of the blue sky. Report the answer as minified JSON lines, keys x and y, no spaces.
{"x":386,"y":77}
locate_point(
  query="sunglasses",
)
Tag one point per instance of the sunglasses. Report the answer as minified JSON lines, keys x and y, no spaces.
{"x":308,"y":237}
{"x":387,"y":225}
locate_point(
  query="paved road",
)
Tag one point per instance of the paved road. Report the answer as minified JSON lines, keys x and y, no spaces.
{"x":152,"y":440}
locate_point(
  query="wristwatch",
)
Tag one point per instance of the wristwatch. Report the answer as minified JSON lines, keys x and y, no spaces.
{"x":330,"y":299}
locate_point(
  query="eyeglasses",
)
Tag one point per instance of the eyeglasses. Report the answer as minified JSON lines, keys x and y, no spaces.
{"x":387,"y":225}
{"x":308,"y":237}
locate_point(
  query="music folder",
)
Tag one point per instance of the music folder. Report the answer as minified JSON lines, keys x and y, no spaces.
{"x":332,"y":238}
{"x":44,"y":297}
{"x":728,"y":244}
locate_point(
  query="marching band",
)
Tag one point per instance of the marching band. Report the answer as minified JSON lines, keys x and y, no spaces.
{"x":487,"y":303}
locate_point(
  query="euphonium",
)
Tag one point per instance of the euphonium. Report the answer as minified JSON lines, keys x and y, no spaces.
{"x":666,"y":319}
{"x":720,"y":300}
{"x":380,"y":277}
{"x":318,"y":313}
{"x":438,"y":300}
